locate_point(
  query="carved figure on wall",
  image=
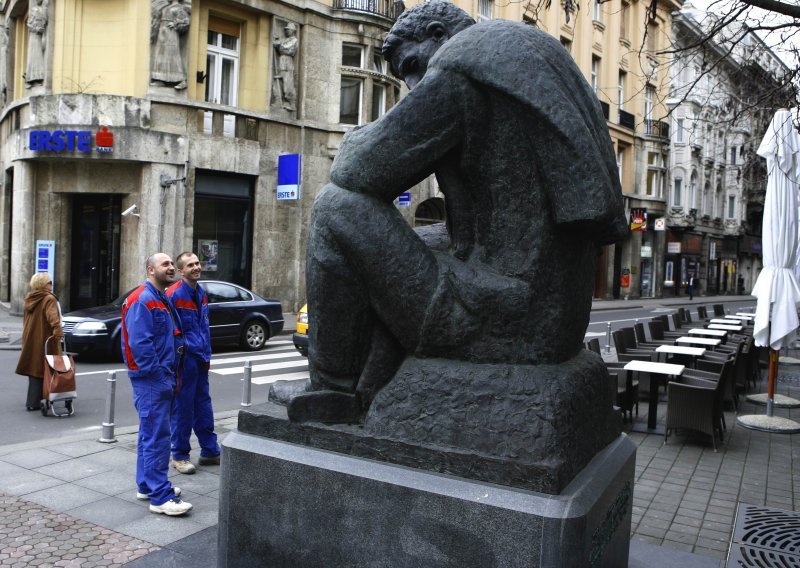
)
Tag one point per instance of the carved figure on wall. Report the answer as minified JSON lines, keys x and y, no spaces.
{"x":37,"y":42}
{"x":503,"y":117}
{"x":285,"y":93}
{"x":4,"y":38}
{"x":170,"y":20}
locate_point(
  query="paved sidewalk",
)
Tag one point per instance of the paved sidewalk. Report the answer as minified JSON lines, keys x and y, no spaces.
{"x":71,"y":502}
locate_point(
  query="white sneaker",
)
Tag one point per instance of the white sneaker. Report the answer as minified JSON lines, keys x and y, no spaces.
{"x":184,"y":466}
{"x":172,"y":508}
{"x":146,"y":496}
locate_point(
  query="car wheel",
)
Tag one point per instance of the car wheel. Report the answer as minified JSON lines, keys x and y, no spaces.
{"x":254,"y":335}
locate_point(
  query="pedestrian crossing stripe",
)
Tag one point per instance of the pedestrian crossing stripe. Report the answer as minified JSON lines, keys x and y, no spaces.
{"x":269,"y":379}
{"x":283,"y":354}
{"x":297,"y":363}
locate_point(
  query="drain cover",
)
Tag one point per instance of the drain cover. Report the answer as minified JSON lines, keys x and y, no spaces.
{"x":765,"y":538}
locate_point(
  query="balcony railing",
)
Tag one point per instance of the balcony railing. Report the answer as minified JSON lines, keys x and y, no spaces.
{"x":387,"y":8}
{"x":656,"y":128}
{"x":627,"y":120}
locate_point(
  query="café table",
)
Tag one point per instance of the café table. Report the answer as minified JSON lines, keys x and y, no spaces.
{"x":693,"y":352}
{"x":746,"y":315}
{"x":707,"y":341}
{"x":725,"y":327}
{"x":710,"y":332}
{"x":656,"y":370}
{"x":741,"y":318}
{"x":726,"y":321}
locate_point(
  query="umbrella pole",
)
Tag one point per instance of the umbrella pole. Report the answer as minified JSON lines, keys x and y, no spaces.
{"x":774,"y":355}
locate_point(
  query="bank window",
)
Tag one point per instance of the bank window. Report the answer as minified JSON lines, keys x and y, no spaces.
{"x":623,"y":22}
{"x":350,"y":100}
{"x":595,"y":73}
{"x":652,"y":32}
{"x":677,"y":190}
{"x":649,"y":101}
{"x":733,"y":155}
{"x":597,"y":12}
{"x":679,"y":130}
{"x":352,"y":55}
{"x":378,"y":64}
{"x":620,"y":162}
{"x":567,"y":44}
{"x":222,"y":70}
{"x":378,"y":100}
{"x":485,"y":9}
{"x":693,"y":191}
{"x":621,"y":90}
{"x":655,"y":174}
{"x":731,"y":206}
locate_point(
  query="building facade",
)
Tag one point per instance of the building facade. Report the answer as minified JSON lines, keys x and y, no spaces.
{"x":133,"y":127}
{"x":618,"y":44}
{"x":716,"y":195}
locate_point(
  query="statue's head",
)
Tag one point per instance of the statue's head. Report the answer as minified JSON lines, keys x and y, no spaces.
{"x":290,"y":29}
{"x":417,"y":34}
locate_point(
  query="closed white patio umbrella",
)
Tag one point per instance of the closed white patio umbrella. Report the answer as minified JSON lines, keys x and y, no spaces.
{"x":777,"y":290}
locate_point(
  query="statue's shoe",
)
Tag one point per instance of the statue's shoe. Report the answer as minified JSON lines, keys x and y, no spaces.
{"x":326,"y":406}
{"x":282,"y":392}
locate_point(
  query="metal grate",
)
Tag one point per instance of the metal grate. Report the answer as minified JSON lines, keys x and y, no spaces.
{"x":764,"y":537}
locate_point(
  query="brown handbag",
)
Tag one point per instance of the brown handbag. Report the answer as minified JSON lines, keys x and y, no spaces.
{"x":59,"y":373}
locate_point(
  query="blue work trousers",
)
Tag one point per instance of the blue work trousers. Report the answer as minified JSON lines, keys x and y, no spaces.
{"x":192,"y":410}
{"x":153,"y":400}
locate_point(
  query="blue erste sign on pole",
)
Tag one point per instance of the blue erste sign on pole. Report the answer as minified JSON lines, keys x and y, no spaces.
{"x":46,"y":257}
{"x":289,"y":167}
{"x":404,"y":200}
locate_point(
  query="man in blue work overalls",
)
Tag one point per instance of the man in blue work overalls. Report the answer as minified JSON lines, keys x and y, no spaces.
{"x":152,"y":345}
{"x":192,"y":409}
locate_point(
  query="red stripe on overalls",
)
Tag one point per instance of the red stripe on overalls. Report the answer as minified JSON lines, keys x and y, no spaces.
{"x":133,"y":297}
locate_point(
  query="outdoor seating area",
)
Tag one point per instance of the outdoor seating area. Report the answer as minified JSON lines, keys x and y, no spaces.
{"x":689,"y":372}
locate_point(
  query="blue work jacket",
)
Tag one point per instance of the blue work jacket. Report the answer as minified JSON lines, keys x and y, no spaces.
{"x":151,"y":334}
{"x":192,"y":307}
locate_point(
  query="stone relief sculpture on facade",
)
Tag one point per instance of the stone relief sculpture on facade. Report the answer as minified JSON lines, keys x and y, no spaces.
{"x":284,"y":91}
{"x":37,"y":43}
{"x":170,"y":21}
{"x":4,"y":37}
{"x":468,"y":335}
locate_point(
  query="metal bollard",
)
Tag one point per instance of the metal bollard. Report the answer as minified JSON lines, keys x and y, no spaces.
{"x":246,"y":386}
{"x":608,"y":337}
{"x":107,"y":435}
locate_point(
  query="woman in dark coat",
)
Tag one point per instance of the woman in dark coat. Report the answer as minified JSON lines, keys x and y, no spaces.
{"x":42,"y":318}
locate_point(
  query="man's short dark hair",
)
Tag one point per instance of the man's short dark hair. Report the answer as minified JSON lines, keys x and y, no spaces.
{"x":179,"y":262}
{"x":412,"y":24}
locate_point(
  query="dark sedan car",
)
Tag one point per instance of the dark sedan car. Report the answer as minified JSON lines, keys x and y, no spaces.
{"x":237,"y":316}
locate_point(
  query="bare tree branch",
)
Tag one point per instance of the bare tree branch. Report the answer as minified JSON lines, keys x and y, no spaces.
{"x":791,"y":10}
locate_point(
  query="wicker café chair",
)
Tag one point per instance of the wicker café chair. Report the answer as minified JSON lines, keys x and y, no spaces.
{"x":691,"y":406}
{"x":593,"y":345}
{"x":641,"y":338}
{"x":719,"y":310}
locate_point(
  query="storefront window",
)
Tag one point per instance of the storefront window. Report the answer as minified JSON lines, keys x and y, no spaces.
{"x":223,"y":227}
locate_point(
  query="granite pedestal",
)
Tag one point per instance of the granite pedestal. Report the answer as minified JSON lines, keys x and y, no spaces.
{"x":284,"y":504}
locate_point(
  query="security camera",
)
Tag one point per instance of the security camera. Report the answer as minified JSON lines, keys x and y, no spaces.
{"x":130,"y":211}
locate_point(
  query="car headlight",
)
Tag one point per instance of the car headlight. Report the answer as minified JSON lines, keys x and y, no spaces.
{"x":302,"y":317}
{"x":90,"y":327}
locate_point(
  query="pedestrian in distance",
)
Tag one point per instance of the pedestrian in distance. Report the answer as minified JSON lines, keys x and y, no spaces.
{"x":690,"y":286}
{"x":192,"y":409}
{"x":152,"y":345}
{"x":41,"y":319}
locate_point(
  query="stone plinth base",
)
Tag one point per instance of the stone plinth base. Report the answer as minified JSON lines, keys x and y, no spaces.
{"x":284,"y":504}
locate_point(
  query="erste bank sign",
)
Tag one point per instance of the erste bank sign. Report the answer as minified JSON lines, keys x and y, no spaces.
{"x":70,"y":140}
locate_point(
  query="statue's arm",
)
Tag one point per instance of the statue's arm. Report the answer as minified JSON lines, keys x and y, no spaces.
{"x":388,"y":156}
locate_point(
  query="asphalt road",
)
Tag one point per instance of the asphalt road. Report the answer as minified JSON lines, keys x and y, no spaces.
{"x":278,"y":360}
